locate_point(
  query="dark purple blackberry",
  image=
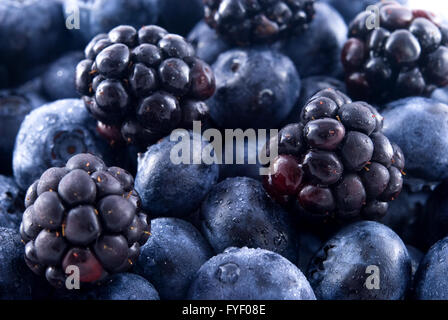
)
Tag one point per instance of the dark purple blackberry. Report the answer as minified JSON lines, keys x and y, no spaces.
{"x":406,"y":56}
{"x":336,"y":161}
{"x":256,"y":21}
{"x":143,"y":83}
{"x":84,"y":214}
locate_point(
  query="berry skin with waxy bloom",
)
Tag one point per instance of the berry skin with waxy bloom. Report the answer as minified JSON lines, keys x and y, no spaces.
{"x":406,"y":56}
{"x":336,"y":161}
{"x":143,"y":83}
{"x":85,"y":215}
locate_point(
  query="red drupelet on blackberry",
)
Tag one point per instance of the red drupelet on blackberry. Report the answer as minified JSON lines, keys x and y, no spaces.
{"x":336,"y":161}
{"x":246,"y":22}
{"x":84,"y":215}
{"x":143,"y":83}
{"x":406,"y":56}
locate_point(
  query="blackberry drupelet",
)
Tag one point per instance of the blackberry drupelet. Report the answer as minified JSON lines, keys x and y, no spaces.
{"x":336,"y":161}
{"x":256,"y":21}
{"x":143,"y":83}
{"x":406,"y":56}
{"x":84,"y":214}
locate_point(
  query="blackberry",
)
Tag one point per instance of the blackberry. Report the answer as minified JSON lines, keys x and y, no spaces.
{"x":406,"y":56}
{"x":84,"y":214}
{"x":143,"y":83}
{"x":336,"y":161}
{"x":256,"y":21}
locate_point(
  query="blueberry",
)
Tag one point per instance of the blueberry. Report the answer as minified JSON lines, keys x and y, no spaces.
{"x":59,"y":80}
{"x":99,"y":16}
{"x":249,"y":274}
{"x":410,"y":123}
{"x":50,"y":135}
{"x":15,"y":104}
{"x":14,"y":276}
{"x":430,"y":282}
{"x":317,"y":50}
{"x":180,"y":16}
{"x":173,"y":189}
{"x":33,"y":32}
{"x":11,"y":203}
{"x":340,"y":269}
{"x":440,"y":94}
{"x":244,"y":160}
{"x":255,"y":88}
{"x":122,"y":286}
{"x":207,"y":43}
{"x":173,"y":254}
{"x":238,"y":212}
